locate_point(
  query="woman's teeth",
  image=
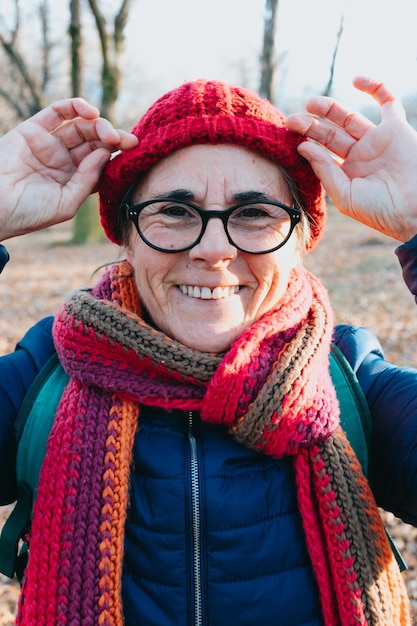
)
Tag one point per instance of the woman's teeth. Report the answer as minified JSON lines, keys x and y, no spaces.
{"x":205,"y":293}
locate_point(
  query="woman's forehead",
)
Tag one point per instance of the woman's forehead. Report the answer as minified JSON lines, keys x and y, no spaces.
{"x":225,"y":168}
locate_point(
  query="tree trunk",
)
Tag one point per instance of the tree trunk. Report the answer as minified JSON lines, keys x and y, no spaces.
{"x":46,"y":44}
{"x":268,"y":58}
{"x":86,"y":224}
{"x":112,"y":46}
{"x":75,"y":33}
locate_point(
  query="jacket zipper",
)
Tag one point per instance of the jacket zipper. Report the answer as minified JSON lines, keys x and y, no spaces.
{"x":196,"y":521}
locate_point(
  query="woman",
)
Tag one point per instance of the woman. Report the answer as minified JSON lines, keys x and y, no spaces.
{"x":196,"y":472}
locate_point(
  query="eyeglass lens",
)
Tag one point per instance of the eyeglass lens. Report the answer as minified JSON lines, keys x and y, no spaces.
{"x":174,"y":226}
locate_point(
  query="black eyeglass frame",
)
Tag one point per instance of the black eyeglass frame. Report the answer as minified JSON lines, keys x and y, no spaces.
{"x":133,"y":211}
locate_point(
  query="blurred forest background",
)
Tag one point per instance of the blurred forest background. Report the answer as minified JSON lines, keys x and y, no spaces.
{"x":122,"y":54}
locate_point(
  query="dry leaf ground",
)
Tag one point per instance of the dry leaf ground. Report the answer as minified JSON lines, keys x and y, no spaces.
{"x":357,"y":265}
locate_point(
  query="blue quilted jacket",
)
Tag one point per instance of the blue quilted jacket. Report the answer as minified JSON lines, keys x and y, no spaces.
{"x":213,"y":535}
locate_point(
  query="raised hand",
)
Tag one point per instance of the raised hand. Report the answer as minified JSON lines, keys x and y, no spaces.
{"x":369,"y":171}
{"x":51,"y":162}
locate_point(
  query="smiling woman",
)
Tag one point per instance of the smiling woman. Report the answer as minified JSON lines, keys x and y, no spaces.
{"x":214,"y":176}
{"x":197,"y":471}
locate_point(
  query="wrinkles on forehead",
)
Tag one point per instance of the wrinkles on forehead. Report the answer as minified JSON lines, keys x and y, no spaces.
{"x":215,"y":174}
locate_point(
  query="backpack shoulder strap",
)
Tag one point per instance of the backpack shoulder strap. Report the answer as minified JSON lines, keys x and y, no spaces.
{"x":33,"y":424}
{"x":35,"y":419}
{"x":355,"y":417}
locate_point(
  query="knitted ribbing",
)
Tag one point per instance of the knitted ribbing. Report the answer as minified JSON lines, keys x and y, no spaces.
{"x":273,"y":391}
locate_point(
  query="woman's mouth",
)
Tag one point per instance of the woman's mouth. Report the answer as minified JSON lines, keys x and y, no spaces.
{"x":205,"y":293}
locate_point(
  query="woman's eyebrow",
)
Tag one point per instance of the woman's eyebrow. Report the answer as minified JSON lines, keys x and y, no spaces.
{"x":175,"y":194}
{"x":252,"y":196}
{"x":240,"y":196}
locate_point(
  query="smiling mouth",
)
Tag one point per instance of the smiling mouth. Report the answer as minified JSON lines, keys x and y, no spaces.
{"x":205,"y":293}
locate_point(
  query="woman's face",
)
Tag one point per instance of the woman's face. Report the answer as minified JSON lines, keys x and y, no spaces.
{"x":181,"y":291}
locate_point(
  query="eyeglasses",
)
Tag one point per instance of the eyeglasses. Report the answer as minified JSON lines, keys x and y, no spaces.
{"x":169,"y":225}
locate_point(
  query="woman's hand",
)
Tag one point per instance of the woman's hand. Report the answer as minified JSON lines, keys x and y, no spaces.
{"x":51,"y":163}
{"x":369,"y":171}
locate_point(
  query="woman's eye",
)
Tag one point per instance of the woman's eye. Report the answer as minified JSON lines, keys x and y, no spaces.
{"x":175,"y":210}
{"x":251,"y":212}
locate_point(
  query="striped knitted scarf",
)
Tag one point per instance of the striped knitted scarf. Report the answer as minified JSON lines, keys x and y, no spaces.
{"x":272,"y":389}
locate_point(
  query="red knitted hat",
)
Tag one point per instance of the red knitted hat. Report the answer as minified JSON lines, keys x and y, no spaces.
{"x":209,"y":112}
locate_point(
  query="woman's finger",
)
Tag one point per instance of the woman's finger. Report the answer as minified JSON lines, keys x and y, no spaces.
{"x":324,"y":132}
{"x":92,"y":134}
{"x":353,"y":123}
{"x":391,"y":107}
{"x":78,"y":131}
{"x":375,"y":88}
{"x":55,"y":114}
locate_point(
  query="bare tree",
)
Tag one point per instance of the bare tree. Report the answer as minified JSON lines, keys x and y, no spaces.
{"x":75,"y":33}
{"x":112,"y":47}
{"x":86,"y":224}
{"x":46,"y":48}
{"x":30,"y":74}
{"x":268,"y":62}
{"x":328,"y":89}
{"x":30,"y":79}
{"x":24,"y":93}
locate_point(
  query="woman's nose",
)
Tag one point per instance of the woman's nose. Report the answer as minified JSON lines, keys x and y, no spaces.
{"x":214,"y":246}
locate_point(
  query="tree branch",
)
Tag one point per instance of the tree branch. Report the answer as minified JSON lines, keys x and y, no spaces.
{"x":120,"y":22}
{"x":328,"y":88}
{"x":101,"y":27}
{"x":19,"y":63}
{"x":21,"y":114}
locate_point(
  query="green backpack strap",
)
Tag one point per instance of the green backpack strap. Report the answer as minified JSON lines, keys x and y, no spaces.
{"x":355,"y":419}
{"x":33,"y":425}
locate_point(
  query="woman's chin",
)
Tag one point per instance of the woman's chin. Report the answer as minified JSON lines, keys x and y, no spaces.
{"x":209,"y":340}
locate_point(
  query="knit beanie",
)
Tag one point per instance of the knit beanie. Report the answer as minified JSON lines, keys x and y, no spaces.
{"x":212,"y":112}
